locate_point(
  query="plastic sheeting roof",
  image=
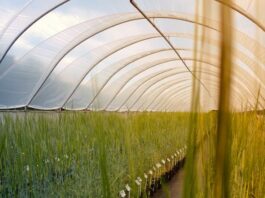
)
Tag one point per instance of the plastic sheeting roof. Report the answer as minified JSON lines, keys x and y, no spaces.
{"x":104,"y":55}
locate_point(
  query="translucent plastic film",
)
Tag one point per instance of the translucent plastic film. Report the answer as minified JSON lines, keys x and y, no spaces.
{"x":21,"y":20}
{"x":109,"y":57}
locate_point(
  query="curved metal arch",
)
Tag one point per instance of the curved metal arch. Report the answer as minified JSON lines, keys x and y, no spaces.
{"x":99,"y":61}
{"x":241,"y":11}
{"x":143,"y":38}
{"x":134,"y":91}
{"x":170,"y":105}
{"x":157,"y":74}
{"x":171,"y":45}
{"x":159,"y":93}
{"x":239,"y":76}
{"x":94,"y":65}
{"x":236,"y":94}
{"x":185,"y":91}
{"x":139,"y":110}
{"x":171,"y":75}
{"x":154,"y":98}
{"x":172,"y":83}
{"x":126,"y":64}
{"x":233,"y":86}
{"x":128,"y":98}
{"x":172,"y":96}
{"x":182,"y":98}
{"x":161,"y":61}
{"x":127,"y":81}
{"x":143,"y":55}
{"x":27,"y":27}
{"x":240,"y":67}
{"x":13,"y":18}
{"x":144,"y":93}
{"x":163,"y":102}
{"x":185,"y":94}
{"x":169,"y":87}
{"x":69,"y":47}
{"x":172,"y":60}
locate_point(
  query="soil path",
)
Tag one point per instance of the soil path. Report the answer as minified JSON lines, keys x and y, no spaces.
{"x":172,"y":189}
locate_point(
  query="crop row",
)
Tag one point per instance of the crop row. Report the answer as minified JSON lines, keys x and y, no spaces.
{"x":154,"y":178}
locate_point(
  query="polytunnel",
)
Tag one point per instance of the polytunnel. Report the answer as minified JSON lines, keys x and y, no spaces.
{"x":159,"y":85}
{"x":108,"y":57}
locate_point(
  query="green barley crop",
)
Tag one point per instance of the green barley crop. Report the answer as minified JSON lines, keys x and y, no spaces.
{"x":83,"y":154}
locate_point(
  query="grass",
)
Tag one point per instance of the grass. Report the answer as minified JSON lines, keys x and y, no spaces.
{"x":83,"y":154}
{"x":247,"y":161}
{"x":95,"y":154}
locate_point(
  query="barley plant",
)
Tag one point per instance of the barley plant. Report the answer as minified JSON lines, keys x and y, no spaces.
{"x":83,"y":154}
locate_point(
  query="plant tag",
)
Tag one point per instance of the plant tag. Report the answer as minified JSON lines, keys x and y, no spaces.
{"x":128,"y":188}
{"x":163,"y":161}
{"x":145,"y":176}
{"x":168,"y":159}
{"x":137,"y":182}
{"x":158,"y":165}
{"x":122,"y":193}
{"x":150,"y":172}
{"x":139,"y":179}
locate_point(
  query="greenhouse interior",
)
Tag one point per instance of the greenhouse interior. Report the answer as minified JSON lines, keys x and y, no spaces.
{"x":132,"y":98}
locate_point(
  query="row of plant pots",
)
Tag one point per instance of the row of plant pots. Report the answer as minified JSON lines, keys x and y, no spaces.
{"x":153,"y":179}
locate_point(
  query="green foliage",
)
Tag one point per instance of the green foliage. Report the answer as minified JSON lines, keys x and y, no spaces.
{"x":83,"y":154}
{"x":247,"y":163}
{"x":95,"y":154}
